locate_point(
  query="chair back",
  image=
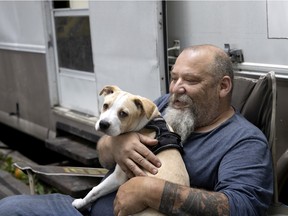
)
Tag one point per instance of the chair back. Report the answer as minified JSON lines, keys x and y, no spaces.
{"x":255,"y":99}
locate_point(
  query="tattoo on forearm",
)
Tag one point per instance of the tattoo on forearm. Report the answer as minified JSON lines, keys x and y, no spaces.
{"x":168,"y":197}
{"x":177,"y":200}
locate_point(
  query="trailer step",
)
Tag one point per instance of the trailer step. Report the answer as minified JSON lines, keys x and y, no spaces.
{"x":78,"y":146}
{"x":74,"y":186}
{"x":9,"y":185}
{"x":75,"y":149}
{"x":74,"y":181}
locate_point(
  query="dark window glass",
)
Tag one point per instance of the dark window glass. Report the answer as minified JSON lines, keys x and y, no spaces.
{"x":74,"y":43}
{"x":61,"y":4}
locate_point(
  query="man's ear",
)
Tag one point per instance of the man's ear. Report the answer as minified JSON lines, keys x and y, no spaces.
{"x":225,"y":86}
{"x":146,"y":106}
{"x":109,"y":89}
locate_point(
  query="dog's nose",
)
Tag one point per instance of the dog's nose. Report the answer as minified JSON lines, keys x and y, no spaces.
{"x":104,"y":125}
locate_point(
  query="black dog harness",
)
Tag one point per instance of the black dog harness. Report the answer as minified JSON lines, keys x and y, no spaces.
{"x":166,"y":138}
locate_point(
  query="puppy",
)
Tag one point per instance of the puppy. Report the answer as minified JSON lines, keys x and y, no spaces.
{"x":123,"y":112}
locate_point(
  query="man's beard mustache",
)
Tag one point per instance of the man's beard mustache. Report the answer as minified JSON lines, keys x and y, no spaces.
{"x":181,"y":120}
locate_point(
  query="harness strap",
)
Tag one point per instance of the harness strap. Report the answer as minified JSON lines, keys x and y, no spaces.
{"x":166,"y":138}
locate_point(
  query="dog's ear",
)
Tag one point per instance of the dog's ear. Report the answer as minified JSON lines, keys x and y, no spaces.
{"x":109,"y":89}
{"x":147,"y":106}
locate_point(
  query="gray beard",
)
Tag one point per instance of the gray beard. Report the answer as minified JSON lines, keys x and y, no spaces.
{"x":182,"y":121}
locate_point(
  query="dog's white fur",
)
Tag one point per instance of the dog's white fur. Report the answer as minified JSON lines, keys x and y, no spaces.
{"x":124,"y":112}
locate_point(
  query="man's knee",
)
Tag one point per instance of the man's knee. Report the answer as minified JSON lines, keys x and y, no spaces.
{"x":11,"y":205}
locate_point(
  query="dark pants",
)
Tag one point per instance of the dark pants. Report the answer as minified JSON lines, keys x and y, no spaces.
{"x":52,"y":205}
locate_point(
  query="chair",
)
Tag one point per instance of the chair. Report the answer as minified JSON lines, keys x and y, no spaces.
{"x":282,"y":175}
{"x":256,"y":100}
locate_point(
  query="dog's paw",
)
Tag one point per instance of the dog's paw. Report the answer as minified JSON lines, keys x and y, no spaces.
{"x":78,"y":203}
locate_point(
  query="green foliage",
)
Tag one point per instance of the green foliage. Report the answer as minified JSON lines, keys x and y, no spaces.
{"x":6,"y":164}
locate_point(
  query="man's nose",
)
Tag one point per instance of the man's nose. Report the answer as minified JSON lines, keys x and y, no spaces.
{"x":178,"y":88}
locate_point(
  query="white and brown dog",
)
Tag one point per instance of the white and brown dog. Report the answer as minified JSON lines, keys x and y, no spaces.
{"x":123,"y":112}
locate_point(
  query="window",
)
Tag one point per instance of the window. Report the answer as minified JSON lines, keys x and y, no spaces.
{"x":73,"y":38}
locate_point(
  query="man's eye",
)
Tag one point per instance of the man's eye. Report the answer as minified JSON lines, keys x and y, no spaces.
{"x":123,"y":114}
{"x":173,"y":79}
{"x":190,"y":81}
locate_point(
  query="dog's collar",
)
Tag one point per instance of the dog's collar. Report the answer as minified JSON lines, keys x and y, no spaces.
{"x":166,"y":138}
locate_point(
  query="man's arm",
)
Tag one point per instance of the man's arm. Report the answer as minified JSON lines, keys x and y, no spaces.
{"x":130,"y":152}
{"x":181,"y":200}
{"x":169,"y":198}
{"x":104,"y":148}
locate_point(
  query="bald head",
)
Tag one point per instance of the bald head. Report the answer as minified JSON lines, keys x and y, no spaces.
{"x":217,"y":61}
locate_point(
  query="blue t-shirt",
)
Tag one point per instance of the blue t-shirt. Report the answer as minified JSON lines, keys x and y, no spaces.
{"x":233,"y":158}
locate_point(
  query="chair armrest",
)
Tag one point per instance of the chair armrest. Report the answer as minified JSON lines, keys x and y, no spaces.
{"x":282,"y":170}
{"x":277,"y":209}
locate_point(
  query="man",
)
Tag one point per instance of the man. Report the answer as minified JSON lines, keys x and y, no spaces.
{"x":227,"y":158}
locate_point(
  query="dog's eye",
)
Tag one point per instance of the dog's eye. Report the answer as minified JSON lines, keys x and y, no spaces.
{"x":105,"y":106}
{"x":123,"y":114}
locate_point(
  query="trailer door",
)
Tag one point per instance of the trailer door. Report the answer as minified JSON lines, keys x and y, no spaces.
{"x":102,"y":43}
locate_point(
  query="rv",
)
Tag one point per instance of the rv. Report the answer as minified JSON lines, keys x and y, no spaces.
{"x":56,"y":56}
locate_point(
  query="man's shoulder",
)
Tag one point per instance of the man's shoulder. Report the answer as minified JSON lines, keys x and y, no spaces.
{"x":239,"y":119}
{"x":240,"y":125}
{"x":235,"y":131}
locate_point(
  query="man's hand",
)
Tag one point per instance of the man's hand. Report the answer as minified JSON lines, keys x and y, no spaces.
{"x":130,"y":152}
{"x":137,"y":194}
